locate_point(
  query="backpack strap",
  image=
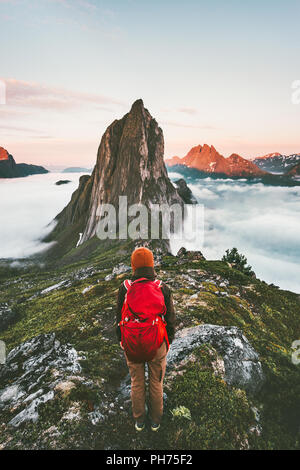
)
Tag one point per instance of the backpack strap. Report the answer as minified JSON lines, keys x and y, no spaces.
{"x":127,"y":283}
{"x":141,"y":279}
{"x":157,"y":282}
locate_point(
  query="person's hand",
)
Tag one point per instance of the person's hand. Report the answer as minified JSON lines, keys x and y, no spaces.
{"x":121,"y":345}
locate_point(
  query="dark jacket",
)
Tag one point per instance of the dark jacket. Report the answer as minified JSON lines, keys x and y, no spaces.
{"x":170,"y":317}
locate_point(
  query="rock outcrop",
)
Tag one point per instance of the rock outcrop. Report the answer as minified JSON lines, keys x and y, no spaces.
{"x":60,"y":182}
{"x":129,"y":163}
{"x":241,"y":361}
{"x":185,"y":254}
{"x":32,"y":372}
{"x":10,"y":169}
{"x":208,"y":160}
{"x":185,"y":192}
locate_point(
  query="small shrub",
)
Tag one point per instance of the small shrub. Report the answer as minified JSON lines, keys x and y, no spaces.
{"x":238,"y":261}
{"x":181,"y":412}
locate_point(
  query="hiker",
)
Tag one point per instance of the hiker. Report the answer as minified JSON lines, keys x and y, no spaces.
{"x":145,"y":329}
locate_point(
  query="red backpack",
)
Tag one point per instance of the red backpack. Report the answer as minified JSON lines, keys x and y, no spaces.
{"x":143,"y":327}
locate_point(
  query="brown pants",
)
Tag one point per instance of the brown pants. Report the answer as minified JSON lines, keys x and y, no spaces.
{"x":157,"y":369}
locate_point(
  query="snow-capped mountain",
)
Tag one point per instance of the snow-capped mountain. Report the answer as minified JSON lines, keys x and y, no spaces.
{"x":277,"y":163}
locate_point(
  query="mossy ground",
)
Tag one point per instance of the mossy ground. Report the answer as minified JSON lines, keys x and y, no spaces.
{"x":221,"y":417}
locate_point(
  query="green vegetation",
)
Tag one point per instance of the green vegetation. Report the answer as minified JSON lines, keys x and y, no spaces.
{"x":213,"y":415}
{"x":238,"y":261}
{"x":221,"y":417}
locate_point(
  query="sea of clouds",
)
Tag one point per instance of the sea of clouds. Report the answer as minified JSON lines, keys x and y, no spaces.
{"x":261,"y":221}
{"x":27,"y":209}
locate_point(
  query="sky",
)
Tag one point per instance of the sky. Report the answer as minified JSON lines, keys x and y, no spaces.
{"x":217,"y":72}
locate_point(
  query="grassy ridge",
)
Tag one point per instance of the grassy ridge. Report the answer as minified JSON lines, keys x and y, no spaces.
{"x":221,"y":416}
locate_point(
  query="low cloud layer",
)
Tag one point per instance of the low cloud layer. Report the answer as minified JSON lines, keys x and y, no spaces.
{"x":261,"y":221}
{"x":28,"y":205}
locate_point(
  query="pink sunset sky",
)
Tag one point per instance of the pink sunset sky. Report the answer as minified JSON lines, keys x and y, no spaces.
{"x":214,"y":72}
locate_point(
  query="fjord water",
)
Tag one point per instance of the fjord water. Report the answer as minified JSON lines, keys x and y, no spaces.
{"x":261,"y":221}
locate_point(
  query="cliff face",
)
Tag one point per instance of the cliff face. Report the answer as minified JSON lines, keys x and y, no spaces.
{"x":10,"y":169}
{"x":207,"y":159}
{"x":129,"y":163}
{"x":76,"y":210}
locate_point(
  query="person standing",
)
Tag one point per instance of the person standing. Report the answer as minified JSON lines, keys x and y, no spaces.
{"x":145,"y":328}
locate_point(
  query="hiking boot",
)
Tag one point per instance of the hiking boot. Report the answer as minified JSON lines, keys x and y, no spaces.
{"x":139,"y":426}
{"x":155,"y":427}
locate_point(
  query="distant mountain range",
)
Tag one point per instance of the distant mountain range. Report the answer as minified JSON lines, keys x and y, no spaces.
{"x":76,"y":169}
{"x":273,"y":168}
{"x":276,"y":162}
{"x":10,"y":169}
{"x":208,"y":160}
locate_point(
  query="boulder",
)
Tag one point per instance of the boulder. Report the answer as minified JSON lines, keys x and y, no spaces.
{"x":190,"y":255}
{"x":31,"y":375}
{"x":119,"y":269}
{"x":242,"y":366}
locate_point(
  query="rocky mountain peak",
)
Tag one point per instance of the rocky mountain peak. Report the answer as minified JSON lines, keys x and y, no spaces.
{"x":208,"y":160}
{"x":195,"y":150}
{"x":130,"y":162}
{"x":269,"y":155}
{"x":3,"y":154}
{"x":10,"y":169}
